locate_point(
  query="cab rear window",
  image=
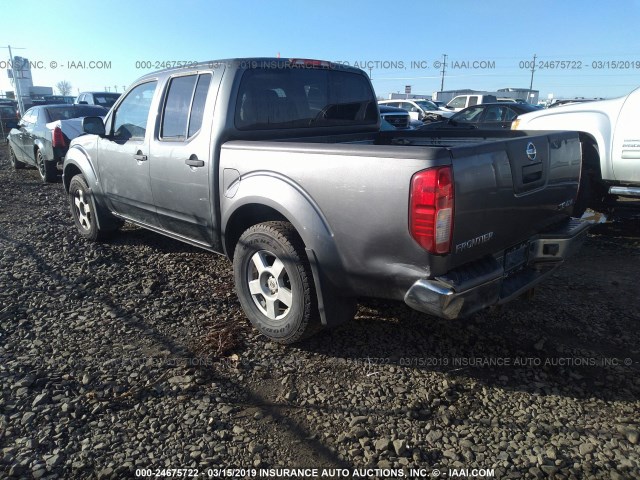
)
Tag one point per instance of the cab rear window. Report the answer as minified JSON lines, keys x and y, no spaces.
{"x":277,"y":98}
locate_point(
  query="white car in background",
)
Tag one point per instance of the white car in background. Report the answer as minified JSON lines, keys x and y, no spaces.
{"x":419,"y":109}
{"x":610,"y":137}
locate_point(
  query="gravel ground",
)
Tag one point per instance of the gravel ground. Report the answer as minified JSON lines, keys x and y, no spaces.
{"x":134,"y":354}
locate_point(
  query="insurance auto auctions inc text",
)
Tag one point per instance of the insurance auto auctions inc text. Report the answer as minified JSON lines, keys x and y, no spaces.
{"x":295,"y":473}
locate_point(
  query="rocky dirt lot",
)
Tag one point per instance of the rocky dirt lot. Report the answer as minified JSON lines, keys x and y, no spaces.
{"x":134,"y":354}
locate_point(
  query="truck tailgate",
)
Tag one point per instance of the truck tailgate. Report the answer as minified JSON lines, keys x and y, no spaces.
{"x":508,"y":191}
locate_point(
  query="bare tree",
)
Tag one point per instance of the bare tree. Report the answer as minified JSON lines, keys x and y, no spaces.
{"x":64,"y":87}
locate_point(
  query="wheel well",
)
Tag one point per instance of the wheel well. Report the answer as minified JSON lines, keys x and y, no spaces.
{"x":591,"y":155}
{"x":70,"y":172}
{"x":245,"y":217}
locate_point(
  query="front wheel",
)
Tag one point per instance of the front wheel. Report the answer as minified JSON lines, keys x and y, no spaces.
{"x":83,"y":210}
{"x":274,"y":282}
{"x":48,"y":170}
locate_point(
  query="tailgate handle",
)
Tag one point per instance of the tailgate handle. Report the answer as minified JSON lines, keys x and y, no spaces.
{"x":531,"y":173}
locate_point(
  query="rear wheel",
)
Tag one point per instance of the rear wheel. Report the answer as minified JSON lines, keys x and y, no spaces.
{"x":48,"y":170}
{"x":274,"y":282}
{"x":15,"y":163}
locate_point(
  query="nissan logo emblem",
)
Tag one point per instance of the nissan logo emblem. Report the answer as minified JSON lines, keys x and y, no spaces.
{"x":531,"y":151}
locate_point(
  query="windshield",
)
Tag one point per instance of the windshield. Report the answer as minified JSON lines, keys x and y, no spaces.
{"x":105,"y":99}
{"x":303,"y":97}
{"x":6,"y":111}
{"x":77,"y":111}
{"x":427,"y":105}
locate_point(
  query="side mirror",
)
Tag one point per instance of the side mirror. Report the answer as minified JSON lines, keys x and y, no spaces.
{"x":93,"y":126}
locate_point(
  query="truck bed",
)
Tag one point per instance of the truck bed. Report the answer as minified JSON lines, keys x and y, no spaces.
{"x":360,"y":188}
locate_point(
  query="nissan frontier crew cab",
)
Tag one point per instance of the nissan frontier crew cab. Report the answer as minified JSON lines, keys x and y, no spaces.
{"x":279,"y":164}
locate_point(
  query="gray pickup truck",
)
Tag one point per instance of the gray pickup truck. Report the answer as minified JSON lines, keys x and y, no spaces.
{"x":280,"y":165}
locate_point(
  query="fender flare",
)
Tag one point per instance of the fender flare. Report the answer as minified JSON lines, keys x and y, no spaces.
{"x":283,"y":195}
{"x":78,"y":161}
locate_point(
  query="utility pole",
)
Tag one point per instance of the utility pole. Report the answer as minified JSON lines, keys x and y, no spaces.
{"x":533,"y":69}
{"x":444,"y":67}
{"x":16,"y":82}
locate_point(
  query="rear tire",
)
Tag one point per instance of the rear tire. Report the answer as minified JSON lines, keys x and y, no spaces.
{"x":15,"y":163}
{"x":48,"y":170}
{"x":274,"y":282}
{"x":583,"y":199}
{"x":591,"y":192}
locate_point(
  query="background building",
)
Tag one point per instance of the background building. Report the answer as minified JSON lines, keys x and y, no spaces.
{"x":22,"y":80}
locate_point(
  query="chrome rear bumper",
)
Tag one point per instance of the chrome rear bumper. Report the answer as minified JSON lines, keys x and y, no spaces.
{"x":473,"y":287}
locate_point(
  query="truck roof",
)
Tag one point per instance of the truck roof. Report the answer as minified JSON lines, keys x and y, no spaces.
{"x":241,"y":63}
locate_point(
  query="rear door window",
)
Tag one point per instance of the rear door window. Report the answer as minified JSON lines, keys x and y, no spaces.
{"x":184,"y":106}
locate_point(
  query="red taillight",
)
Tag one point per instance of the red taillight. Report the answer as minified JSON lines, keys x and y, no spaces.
{"x":431,"y":209}
{"x":58,"y":138}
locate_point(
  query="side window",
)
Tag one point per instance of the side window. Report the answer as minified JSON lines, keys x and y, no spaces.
{"x":176,"y":108}
{"x":473,"y":100}
{"x":199,"y":100}
{"x":469,"y":115}
{"x":409,"y":107}
{"x":493,"y":114}
{"x":130,"y":120}
{"x":184,"y":106}
{"x":29,"y":117}
{"x":510,"y":115}
{"x":458,"y":102}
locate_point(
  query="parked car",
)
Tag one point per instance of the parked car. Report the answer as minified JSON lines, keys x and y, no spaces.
{"x":610,"y":144}
{"x":103,"y":99}
{"x":280,"y":165}
{"x":461,"y":102}
{"x":488,"y":116}
{"x":58,"y":99}
{"x":42,"y":136}
{"x":419,"y":110}
{"x":8,"y":118}
{"x":396,"y":117}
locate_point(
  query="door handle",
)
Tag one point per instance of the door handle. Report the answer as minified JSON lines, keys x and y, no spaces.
{"x":140,"y":157}
{"x":194,"y":162}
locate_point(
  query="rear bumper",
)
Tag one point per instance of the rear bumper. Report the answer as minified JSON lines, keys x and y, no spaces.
{"x":625,"y":191}
{"x":470,"y":288}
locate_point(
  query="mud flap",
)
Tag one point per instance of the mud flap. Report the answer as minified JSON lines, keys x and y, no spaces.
{"x":334,"y":309}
